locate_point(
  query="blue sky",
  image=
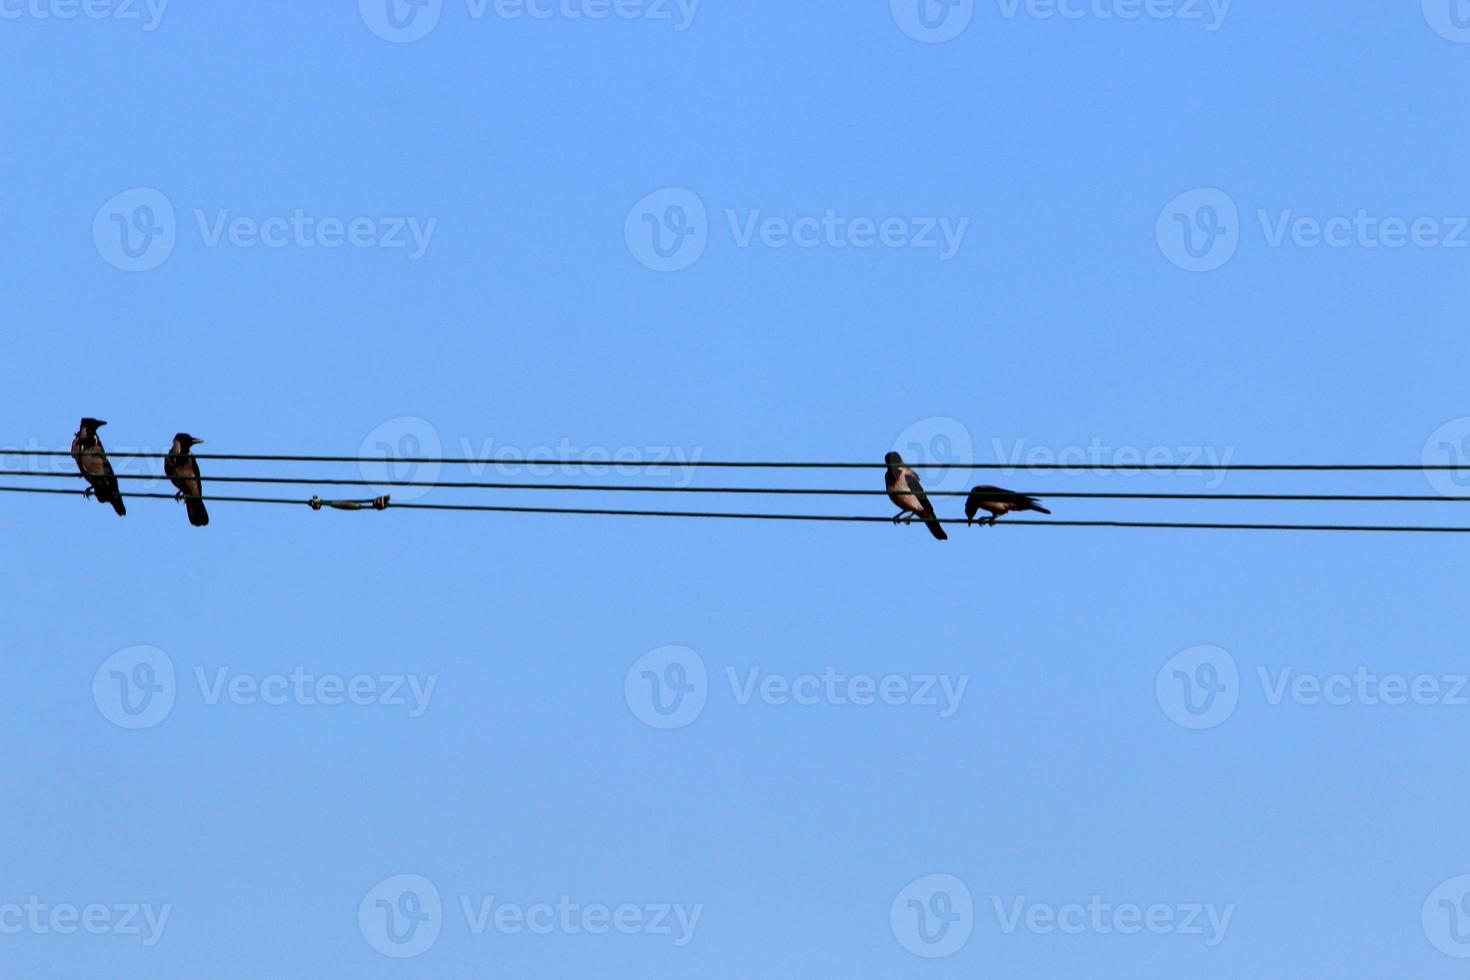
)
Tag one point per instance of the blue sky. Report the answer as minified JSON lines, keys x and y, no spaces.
{"x":996,"y":232}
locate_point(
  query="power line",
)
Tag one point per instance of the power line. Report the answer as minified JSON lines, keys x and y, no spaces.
{"x":841,"y":518}
{"x":158,"y":496}
{"x":796,"y":491}
{"x":677,"y":464}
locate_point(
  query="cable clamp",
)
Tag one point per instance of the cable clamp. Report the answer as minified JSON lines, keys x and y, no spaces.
{"x":377,"y":503}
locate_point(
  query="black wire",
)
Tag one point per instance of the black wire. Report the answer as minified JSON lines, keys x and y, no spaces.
{"x":800,"y":491}
{"x":673,"y":464}
{"x":159,"y":496}
{"x":843,"y":518}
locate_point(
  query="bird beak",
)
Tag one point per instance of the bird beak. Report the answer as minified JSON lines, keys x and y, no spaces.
{"x":197,"y":442}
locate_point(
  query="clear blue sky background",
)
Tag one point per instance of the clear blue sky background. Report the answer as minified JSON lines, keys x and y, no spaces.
{"x":530,"y":321}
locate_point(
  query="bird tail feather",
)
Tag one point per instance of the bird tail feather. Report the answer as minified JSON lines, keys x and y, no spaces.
{"x":198,"y":516}
{"x":936,"y":528}
{"x":1039,"y":508}
{"x":117,"y":504}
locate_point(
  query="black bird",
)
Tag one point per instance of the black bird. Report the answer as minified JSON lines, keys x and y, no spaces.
{"x":91,"y":459}
{"x":908,"y":496}
{"x":998,"y":502}
{"x":182,"y":468}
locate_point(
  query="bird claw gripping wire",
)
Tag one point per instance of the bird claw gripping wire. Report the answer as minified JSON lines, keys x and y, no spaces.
{"x":377,"y":503}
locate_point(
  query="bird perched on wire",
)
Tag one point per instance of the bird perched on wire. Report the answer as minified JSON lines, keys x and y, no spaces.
{"x":907,"y":494}
{"x":998,"y":501}
{"x":91,"y":459}
{"x":182,"y":469}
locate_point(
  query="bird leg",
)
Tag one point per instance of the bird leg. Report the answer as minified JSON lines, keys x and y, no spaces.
{"x":897,"y":517}
{"x":87,"y":493}
{"x":178,"y":496}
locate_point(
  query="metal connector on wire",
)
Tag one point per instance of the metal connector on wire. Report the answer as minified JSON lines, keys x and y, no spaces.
{"x":377,"y":503}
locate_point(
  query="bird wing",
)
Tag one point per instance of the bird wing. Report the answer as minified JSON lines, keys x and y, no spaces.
{"x":911,"y":480}
{"x":91,"y":460}
{"x":183,"y":472}
{"x":998,"y":495}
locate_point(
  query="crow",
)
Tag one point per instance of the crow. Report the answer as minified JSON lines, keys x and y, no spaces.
{"x":998,"y":502}
{"x":908,"y":496}
{"x":183,"y":470}
{"x":91,"y":459}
